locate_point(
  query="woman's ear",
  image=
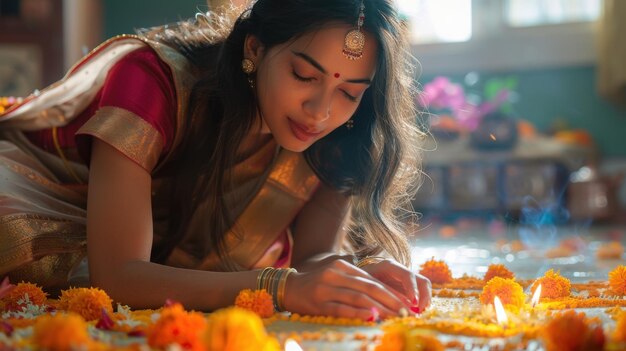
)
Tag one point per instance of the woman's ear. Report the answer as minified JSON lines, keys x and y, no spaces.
{"x":253,"y":49}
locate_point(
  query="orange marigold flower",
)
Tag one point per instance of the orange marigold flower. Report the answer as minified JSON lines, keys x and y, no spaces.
{"x":35,"y":295}
{"x":258,"y":301}
{"x":572,"y":331}
{"x":400,"y":337}
{"x":437,"y":271}
{"x":393,"y":338}
{"x":61,"y":332}
{"x":88,"y":302}
{"x":553,"y":285}
{"x":237,"y":329}
{"x":617,"y":280}
{"x":66,"y":297}
{"x":177,"y":326}
{"x":498,"y":270}
{"x":511,"y":293}
{"x":620,"y":328}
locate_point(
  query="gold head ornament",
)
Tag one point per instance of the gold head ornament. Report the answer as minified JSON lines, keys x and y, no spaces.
{"x":354,"y":41}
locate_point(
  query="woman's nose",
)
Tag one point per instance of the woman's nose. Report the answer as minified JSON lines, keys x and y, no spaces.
{"x":318,"y":107}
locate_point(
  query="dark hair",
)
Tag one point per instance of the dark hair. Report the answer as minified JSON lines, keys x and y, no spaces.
{"x":377,"y":161}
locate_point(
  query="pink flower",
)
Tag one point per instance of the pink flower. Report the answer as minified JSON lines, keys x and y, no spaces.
{"x":5,"y":287}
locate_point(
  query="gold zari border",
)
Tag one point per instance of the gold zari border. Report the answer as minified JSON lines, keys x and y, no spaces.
{"x":126,"y":132}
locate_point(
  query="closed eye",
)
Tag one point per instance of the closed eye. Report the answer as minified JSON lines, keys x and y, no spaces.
{"x":300,"y":78}
{"x":350,"y":97}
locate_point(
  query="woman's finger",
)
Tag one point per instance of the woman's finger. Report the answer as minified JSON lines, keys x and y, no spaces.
{"x":344,"y":275}
{"x":406,"y":278}
{"x":359,"y":301}
{"x":424,"y":288}
{"x":339,"y":309}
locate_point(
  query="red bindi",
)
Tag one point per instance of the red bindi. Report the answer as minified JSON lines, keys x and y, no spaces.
{"x":337,"y":75}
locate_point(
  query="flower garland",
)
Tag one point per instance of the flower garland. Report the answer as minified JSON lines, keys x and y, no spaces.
{"x":76,"y":324}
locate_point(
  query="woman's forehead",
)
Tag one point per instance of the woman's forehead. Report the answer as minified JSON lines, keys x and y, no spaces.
{"x":326,"y":46}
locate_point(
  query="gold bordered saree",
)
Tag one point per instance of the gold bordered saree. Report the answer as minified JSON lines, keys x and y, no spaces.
{"x":42,"y":217}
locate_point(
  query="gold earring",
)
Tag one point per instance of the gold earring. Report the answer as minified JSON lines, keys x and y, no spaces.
{"x":247,"y":66}
{"x":350,"y":124}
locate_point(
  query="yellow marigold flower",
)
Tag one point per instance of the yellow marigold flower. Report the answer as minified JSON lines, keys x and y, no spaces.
{"x":572,"y":331}
{"x":498,"y":270}
{"x":258,"y":301}
{"x":399,"y":337}
{"x":61,"y":332}
{"x":437,"y":271}
{"x":511,"y":293}
{"x":177,"y":326}
{"x":88,"y":302}
{"x":617,"y":280}
{"x":620,"y":328}
{"x":35,"y":295}
{"x":553,"y":285}
{"x":237,"y":329}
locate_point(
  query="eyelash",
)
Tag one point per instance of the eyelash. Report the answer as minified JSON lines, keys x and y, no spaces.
{"x":308,"y":80}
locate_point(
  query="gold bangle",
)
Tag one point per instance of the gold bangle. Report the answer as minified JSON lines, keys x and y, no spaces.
{"x":281,"y":288}
{"x":260,"y":278}
{"x":267,"y":279}
{"x":370,"y":260}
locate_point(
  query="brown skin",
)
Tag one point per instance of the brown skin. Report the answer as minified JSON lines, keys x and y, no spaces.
{"x":119,"y":228}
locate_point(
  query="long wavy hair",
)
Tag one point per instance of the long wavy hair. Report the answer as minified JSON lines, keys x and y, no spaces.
{"x":377,"y":162}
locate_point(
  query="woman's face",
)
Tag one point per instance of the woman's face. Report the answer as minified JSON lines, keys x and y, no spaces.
{"x":306,"y":88}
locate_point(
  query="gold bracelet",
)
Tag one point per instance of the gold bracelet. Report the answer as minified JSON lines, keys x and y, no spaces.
{"x":267,"y":279}
{"x":260,"y":278}
{"x":281,"y":288}
{"x":370,"y":260}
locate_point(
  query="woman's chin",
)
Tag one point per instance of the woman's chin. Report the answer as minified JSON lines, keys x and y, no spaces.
{"x":294,"y":145}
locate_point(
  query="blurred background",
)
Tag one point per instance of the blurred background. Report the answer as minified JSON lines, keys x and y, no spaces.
{"x":524,"y":101}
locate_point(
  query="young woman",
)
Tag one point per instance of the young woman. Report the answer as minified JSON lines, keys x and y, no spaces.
{"x":218,"y":155}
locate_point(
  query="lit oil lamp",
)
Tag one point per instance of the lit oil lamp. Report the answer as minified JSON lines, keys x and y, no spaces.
{"x":500,"y":312}
{"x":535,"y":300}
{"x":292,"y":345}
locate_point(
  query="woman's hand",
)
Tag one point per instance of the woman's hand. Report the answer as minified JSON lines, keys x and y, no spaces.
{"x":340,"y":289}
{"x":415,"y":287}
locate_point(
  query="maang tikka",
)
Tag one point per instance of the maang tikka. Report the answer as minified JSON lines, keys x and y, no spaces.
{"x":354,"y":41}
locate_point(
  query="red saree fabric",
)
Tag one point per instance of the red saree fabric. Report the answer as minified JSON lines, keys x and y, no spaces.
{"x":140,"y":83}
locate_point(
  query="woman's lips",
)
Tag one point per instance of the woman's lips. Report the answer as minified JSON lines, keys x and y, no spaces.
{"x":300,"y":131}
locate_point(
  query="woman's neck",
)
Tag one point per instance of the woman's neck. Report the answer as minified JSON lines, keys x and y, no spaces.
{"x":258,"y":136}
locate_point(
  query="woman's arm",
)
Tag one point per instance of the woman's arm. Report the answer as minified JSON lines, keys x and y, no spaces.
{"x":319,"y":228}
{"x":119,"y":241}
